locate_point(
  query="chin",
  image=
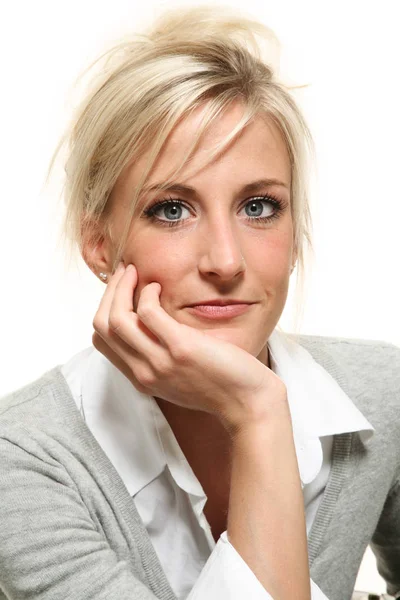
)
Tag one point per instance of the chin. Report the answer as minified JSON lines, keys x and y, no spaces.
{"x":234,"y":336}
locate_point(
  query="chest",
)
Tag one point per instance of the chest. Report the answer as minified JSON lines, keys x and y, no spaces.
{"x":216,"y":485}
{"x":213,"y":472}
{"x":207,"y":450}
{"x":217,"y":517}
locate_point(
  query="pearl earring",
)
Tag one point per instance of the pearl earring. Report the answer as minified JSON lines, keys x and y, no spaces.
{"x":103,"y":276}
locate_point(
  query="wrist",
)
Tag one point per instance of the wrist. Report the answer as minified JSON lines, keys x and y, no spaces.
{"x":268,"y":409}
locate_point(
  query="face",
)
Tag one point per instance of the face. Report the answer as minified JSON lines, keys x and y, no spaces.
{"x":194,"y":245}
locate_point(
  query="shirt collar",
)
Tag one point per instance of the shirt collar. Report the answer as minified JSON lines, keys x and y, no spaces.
{"x":318,"y":405}
{"x":135,"y":435}
{"x":121,"y":419}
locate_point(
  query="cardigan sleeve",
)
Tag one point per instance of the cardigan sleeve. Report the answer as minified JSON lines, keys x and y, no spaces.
{"x":385,"y":542}
{"x":50,"y":548}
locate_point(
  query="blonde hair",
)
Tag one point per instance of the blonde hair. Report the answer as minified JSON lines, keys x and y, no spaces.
{"x":146,"y":84}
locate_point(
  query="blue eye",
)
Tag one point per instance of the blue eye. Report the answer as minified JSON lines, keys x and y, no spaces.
{"x":257,"y":205}
{"x":174,"y":207}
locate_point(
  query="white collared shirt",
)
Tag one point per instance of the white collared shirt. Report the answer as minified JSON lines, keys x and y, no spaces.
{"x":133,"y":432}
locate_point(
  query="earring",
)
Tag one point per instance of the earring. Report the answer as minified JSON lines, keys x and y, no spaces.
{"x":103,"y":276}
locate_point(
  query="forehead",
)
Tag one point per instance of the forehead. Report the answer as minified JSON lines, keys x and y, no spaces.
{"x":257,"y":152}
{"x":221,"y":127}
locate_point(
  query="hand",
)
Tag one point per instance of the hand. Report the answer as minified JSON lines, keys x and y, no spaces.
{"x":178,"y":363}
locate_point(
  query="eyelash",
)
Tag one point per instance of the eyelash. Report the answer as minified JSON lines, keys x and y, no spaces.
{"x":150,"y":211}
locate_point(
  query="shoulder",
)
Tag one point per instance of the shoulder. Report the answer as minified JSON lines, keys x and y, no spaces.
{"x":354,"y":353}
{"x":40,"y":424}
{"x":39,"y":409}
{"x":367,"y":370}
{"x":38,"y":390}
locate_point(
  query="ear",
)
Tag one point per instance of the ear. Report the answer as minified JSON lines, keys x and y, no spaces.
{"x":97,"y":248}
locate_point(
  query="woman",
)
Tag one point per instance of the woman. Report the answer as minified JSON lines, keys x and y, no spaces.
{"x":195,"y":451}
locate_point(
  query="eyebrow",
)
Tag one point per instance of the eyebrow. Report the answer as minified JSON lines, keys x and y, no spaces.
{"x":179,"y":188}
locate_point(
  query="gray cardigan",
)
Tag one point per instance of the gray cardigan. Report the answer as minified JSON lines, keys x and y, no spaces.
{"x":70,"y":530}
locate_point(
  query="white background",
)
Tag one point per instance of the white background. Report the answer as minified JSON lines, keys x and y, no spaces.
{"x":348,"y":51}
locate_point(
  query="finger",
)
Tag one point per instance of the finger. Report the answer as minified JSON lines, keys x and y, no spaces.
{"x":100,"y":321}
{"x":105,"y":303}
{"x":130,"y":354}
{"x":117,"y":361}
{"x":155,"y":318}
{"x":124,"y":322}
{"x":141,"y":371}
{"x":108,"y":320}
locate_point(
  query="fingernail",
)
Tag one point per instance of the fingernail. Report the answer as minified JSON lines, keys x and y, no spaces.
{"x":129,"y":267}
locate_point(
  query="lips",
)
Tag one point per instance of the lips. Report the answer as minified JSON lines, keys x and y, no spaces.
{"x":220,"y":302}
{"x":217,"y":311}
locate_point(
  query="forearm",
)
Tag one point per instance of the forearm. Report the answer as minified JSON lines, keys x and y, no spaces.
{"x":266,"y":521}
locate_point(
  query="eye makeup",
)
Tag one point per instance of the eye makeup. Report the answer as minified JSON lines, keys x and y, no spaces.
{"x":151,"y":211}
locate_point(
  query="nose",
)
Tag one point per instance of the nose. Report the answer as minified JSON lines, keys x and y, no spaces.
{"x":222,"y":255}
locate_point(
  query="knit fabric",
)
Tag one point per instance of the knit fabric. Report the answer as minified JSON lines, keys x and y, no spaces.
{"x":70,"y":530}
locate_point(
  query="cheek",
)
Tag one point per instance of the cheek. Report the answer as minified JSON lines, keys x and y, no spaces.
{"x":156,"y":260}
{"x":273,"y":257}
